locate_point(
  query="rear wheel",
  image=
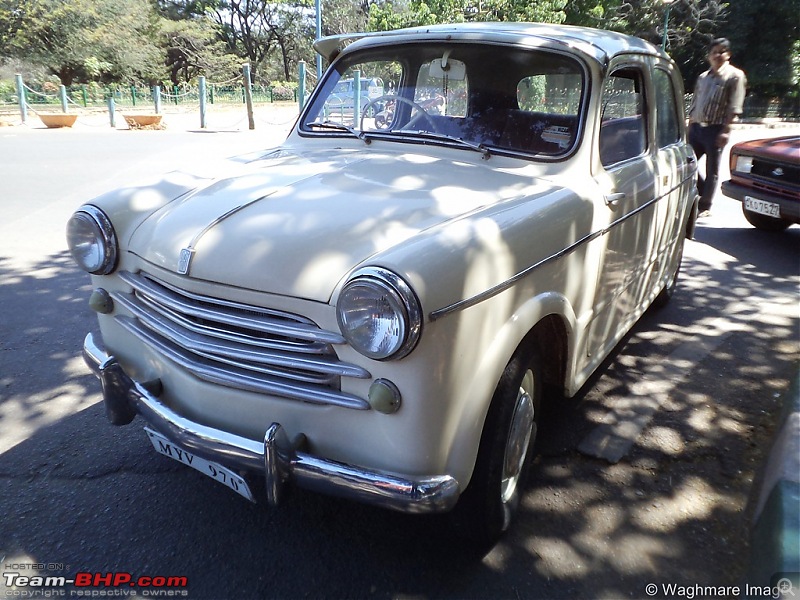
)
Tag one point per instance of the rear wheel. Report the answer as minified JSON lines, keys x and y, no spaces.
{"x":665,"y":295}
{"x":487,"y":506}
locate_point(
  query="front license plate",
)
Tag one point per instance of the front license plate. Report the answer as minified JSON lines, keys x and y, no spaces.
{"x":762,"y":207}
{"x":222,"y":474}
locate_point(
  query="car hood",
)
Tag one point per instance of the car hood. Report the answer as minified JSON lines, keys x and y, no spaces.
{"x":294,"y":224}
{"x":785,"y":149}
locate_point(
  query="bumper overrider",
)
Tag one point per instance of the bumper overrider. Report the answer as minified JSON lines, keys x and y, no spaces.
{"x":276,"y":457}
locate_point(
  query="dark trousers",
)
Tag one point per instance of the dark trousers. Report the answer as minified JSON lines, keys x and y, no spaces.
{"x":703,"y":141}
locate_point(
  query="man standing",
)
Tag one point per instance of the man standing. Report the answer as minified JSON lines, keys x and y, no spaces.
{"x":718,"y":98}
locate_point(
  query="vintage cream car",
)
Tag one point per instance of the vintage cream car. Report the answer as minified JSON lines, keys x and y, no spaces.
{"x":376,"y":312}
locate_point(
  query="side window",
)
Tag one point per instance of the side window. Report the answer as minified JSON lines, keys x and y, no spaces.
{"x":667,"y":128}
{"x":623,"y":126}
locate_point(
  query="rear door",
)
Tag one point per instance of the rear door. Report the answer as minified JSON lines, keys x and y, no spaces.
{"x":675,"y":167}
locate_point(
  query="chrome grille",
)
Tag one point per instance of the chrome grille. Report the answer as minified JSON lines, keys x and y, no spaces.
{"x":238,"y":345}
{"x":779,"y":178}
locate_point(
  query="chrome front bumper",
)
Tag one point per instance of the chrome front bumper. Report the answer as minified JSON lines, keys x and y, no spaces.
{"x":276,"y":457}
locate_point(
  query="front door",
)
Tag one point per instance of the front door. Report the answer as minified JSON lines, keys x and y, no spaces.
{"x":627,"y":183}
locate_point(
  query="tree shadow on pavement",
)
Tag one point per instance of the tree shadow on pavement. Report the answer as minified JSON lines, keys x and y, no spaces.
{"x":83,"y":496}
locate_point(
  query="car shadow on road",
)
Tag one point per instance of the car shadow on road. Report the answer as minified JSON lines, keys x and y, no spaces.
{"x":771,"y":252}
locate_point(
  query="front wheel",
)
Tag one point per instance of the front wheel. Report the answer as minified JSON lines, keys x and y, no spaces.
{"x":764,"y":222}
{"x":489,"y":503}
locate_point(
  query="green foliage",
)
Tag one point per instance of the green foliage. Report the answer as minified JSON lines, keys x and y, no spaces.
{"x":796,"y":67}
{"x":193,"y":47}
{"x":531,"y":93}
{"x":256,"y":29}
{"x":84,"y":39}
{"x":587,"y":13}
{"x":156,"y":41}
{"x":8,"y":92}
{"x":344,"y":16}
{"x":283,"y":90}
{"x":764,"y":35}
{"x":394,"y":14}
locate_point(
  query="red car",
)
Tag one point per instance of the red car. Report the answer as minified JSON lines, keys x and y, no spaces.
{"x":765,"y":178}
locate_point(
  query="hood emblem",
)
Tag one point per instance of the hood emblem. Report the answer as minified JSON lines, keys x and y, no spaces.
{"x":778,"y":172}
{"x":185,"y":260}
{"x":186,"y":255}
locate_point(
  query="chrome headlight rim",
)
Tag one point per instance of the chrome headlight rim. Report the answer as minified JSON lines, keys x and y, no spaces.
{"x":405,"y":298}
{"x":105,"y":236}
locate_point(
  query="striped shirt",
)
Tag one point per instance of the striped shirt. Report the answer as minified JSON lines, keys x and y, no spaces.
{"x":718,"y":96}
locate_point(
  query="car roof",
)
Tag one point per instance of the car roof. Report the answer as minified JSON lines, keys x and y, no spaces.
{"x":599,"y":44}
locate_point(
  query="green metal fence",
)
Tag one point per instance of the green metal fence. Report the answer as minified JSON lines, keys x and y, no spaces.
{"x":89,"y":96}
{"x":232,"y":92}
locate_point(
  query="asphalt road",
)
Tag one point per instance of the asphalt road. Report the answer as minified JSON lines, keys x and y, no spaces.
{"x":698,"y":383}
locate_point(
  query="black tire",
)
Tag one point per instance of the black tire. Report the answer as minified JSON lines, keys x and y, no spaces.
{"x":691,"y":224}
{"x":488,"y":505}
{"x":665,"y":295}
{"x":763,"y":222}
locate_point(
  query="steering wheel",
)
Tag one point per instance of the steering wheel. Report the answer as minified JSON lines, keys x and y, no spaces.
{"x":421,"y":113}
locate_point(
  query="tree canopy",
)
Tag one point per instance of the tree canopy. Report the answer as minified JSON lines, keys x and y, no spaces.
{"x":765,"y":38}
{"x":82,"y":40}
{"x":394,"y":14}
{"x":149,"y":41}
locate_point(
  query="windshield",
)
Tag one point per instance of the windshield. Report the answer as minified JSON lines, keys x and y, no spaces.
{"x":484,"y":96}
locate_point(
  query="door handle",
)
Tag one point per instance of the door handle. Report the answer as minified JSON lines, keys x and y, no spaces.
{"x":612,"y":200}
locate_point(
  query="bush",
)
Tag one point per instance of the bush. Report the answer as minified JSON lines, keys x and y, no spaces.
{"x":8,"y":92}
{"x":283,"y":90}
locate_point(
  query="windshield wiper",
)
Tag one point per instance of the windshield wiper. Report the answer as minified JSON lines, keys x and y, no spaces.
{"x":341,"y":127}
{"x":450,"y":138}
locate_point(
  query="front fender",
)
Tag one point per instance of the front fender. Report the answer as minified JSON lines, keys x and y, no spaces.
{"x":130,"y":206}
{"x":476,"y":389}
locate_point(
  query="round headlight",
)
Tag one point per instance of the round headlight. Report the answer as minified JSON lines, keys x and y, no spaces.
{"x":92,"y":241}
{"x":379,"y":315}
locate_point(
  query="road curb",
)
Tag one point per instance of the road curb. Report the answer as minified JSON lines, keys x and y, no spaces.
{"x":764,"y":124}
{"x":775,"y":532}
{"x":218,"y":118}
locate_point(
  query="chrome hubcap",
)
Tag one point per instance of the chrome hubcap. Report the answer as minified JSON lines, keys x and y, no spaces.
{"x":522,"y":429}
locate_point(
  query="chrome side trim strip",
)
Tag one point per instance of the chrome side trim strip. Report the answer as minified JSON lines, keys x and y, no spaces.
{"x":274,"y":458}
{"x":501,"y":287}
